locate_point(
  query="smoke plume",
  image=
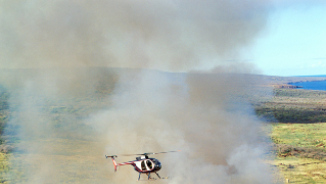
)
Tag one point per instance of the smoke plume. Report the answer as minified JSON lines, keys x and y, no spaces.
{"x":86,"y":80}
{"x":166,"y":35}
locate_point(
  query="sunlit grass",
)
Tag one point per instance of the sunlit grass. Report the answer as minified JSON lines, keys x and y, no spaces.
{"x":298,"y":169}
{"x":302,"y":170}
{"x":302,"y":113}
{"x":302,"y":135}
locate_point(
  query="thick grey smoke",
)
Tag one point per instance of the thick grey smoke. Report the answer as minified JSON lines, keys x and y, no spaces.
{"x":220,"y":142}
{"x":68,"y":109}
{"x":167,"y":35}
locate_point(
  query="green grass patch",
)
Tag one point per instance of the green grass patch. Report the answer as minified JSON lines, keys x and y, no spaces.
{"x":301,"y":135}
{"x":301,"y":170}
{"x":301,"y":151}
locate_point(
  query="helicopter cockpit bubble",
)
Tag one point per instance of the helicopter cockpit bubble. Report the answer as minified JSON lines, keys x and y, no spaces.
{"x":149,"y":164}
{"x":143,"y":167}
{"x":157,"y":163}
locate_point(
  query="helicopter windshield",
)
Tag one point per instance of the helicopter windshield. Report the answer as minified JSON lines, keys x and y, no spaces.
{"x":155,"y":160}
{"x":143,"y":167}
{"x":149,"y":164}
{"x":157,"y":163}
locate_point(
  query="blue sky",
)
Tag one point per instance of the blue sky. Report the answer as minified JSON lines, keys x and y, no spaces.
{"x":293,"y":43}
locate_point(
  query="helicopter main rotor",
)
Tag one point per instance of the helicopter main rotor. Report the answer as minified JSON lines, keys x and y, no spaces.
{"x":149,"y":153}
{"x":141,"y":154}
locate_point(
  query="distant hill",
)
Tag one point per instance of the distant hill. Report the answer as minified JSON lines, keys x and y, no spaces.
{"x":312,"y":76}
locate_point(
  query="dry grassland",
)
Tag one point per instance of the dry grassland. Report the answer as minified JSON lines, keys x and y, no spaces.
{"x":300,"y":138}
{"x":300,"y":141}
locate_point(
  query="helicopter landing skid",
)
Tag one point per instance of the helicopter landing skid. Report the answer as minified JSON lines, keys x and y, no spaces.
{"x":149,"y":178}
{"x":153,"y":179}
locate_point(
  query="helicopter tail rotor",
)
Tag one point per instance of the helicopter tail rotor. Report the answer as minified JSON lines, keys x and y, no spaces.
{"x":113,"y":161}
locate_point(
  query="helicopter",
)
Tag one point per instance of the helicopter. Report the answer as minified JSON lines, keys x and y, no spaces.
{"x":143,"y":164}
